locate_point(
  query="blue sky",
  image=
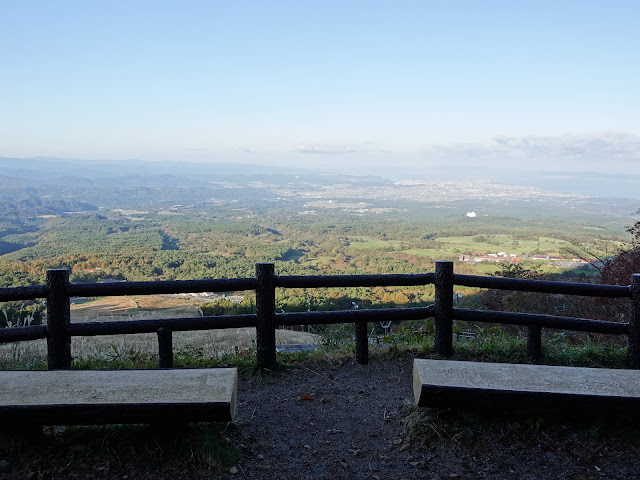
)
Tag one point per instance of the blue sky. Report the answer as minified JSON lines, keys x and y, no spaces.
{"x":362,"y":85}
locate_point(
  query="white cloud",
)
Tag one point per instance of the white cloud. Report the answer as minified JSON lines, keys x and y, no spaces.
{"x":609,"y":152}
{"x":326,"y":149}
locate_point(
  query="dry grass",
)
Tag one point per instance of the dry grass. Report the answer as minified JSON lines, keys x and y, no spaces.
{"x":209,"y":343}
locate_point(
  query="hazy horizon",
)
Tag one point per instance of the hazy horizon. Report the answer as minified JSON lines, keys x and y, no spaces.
{"x":579,"y":183}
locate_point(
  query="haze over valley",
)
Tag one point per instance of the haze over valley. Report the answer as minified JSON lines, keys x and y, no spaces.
{"x":144,"y":220}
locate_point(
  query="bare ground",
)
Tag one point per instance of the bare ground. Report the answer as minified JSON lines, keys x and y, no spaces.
{"x":343,"y":420}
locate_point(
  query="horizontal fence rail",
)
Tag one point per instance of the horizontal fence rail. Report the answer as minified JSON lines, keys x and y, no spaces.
{"x":16,"y":294}
{"x":159,"y":288}
{"x":353,"y":316}
{"x":90,"y":329}
{"x":59,"y":329}
{"x":389,"y":280}
{"x":21,"y":334}
{"x":547,"y":321}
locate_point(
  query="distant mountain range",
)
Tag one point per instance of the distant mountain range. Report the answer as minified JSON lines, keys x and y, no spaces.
{"x":60,"y":171}
{"x":50,"y":186}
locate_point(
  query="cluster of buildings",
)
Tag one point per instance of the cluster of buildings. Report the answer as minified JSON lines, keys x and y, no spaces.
{"x":501,"y":257}
{"x":489,"y":257}
{"x":208,"y":295}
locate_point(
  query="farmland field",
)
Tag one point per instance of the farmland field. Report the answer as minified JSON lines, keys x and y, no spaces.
{"x":359,"y":242}
{"x":503,"y":242}
{"x":126,"y":306}
{"x":453,"y":245}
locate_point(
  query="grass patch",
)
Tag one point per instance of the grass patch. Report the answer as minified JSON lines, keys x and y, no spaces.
{"x":23,"y":356}
{"x":494,"y":344}
{"x":492,"y":347}
{"x":490,"y":344}
{"x":497,"y":346}
{"x":503,"y":242}
{"x":362,"y":242}
{"x":585,"y":353}
{"x":426,"y":252}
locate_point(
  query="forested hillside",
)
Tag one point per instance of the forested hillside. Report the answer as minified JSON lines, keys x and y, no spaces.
{"x":166,"y":227}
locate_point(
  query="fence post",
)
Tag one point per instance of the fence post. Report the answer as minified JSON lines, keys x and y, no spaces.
{"x":58,"y":318}
{"x":534,"y":342}
{"x":362,"y":343}
{"x":444,"y":308}
{"x":165,"y":347}
{"x":634,"y":324}
{"x":266,"y":315}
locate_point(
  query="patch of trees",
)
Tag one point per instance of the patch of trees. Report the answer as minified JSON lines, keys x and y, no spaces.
{"x":33,"y":206}
{"x":219,"y":243}
{"x":328,"y":299}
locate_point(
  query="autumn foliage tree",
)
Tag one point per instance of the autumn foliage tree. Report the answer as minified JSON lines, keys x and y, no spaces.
{"x":545,"y":303}
{"x":619,"y":270}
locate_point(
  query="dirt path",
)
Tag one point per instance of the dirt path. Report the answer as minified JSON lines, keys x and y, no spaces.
{"x":351,"y":421}
{"x":324,"y":423}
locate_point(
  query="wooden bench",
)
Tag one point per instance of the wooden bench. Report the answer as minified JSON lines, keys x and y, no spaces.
{"x":526,"y":388}
{"x":90,"y":397}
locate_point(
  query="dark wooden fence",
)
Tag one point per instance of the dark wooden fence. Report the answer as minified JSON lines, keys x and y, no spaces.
{"x":59,"y":330}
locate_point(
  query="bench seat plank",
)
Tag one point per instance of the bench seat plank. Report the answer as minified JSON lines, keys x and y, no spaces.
{"x":501,"y":386}
{"x":74,"y":397}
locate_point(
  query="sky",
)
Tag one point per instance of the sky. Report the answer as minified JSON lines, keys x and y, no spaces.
{"x":422,"y":87}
